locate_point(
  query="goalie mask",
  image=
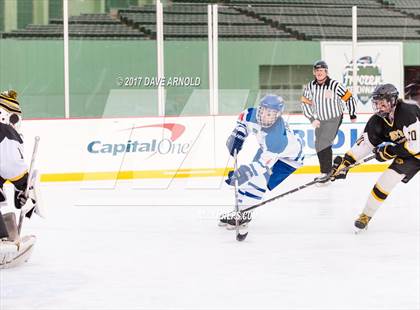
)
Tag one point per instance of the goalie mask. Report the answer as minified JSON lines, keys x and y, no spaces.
{"x":10,"y":112}
{"x":269,"y":110}
{"x":384,"y":99}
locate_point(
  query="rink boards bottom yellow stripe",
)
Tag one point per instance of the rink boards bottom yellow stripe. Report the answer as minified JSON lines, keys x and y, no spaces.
{"x":180,"y":173}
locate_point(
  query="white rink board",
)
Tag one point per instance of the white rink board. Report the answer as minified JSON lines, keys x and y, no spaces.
{"x":97,"y":145}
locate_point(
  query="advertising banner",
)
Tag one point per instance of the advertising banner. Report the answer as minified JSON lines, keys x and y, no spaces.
{"x":130,"y":148}
{"x":377,"y":63}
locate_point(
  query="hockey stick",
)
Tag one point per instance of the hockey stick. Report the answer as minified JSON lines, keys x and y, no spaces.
{"x":305,"y":185}
{"x":2,"y":194}
{"x":24,"y":210}
{"x":239,"y":236}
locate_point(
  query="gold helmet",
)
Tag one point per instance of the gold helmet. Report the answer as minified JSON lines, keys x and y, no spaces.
{"x":10,"y":112}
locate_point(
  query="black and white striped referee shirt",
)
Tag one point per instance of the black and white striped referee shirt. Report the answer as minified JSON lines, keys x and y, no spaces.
{"x":326,"y":101}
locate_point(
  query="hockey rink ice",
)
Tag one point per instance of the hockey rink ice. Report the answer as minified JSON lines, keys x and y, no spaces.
{"x":120,"y":247}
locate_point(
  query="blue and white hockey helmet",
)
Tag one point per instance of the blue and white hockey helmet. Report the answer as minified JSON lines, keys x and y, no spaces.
{"x":269,"y":110}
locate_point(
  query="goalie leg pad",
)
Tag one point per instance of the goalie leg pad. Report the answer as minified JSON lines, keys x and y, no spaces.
{"x":15,"y":255}
{"x":4,"y":234}
{"x":10,"y":222}
{"x":7,"y":250}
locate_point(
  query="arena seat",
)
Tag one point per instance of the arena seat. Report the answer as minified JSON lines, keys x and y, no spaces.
{"x":245,"y":20}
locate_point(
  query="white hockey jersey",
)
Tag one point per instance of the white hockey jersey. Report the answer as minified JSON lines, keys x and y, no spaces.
{"x":12,"y":164}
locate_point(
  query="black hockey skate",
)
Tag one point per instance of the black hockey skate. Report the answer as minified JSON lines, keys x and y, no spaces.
{"x":323,"y":179}
{"x":243,"y":219}
{"x":362,"y":221}
{"x":228,"y":220}
{"x":225,"y":217}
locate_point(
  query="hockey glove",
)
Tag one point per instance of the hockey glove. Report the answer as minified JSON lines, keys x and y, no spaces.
{"x":20,"y":201}
{"x":243,"y":174}
{"x":383,"y":153}
{"x":235,"y":141}
{"x":340,"y":164}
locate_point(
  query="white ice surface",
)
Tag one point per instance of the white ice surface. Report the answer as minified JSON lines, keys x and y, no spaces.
{"x":160,"y":248}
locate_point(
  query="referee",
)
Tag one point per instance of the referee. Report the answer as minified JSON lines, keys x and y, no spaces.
{"x":323,"y":103}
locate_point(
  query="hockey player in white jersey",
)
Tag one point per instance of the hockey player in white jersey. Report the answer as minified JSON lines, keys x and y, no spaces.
{"x":280,"y":153}
{"x":13,"y":249}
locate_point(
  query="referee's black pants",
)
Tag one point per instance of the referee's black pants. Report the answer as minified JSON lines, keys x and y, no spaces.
{"x":324,"y":138}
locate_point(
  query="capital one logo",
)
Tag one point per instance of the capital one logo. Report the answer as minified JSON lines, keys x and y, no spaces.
{"x":162,"y":146}
{"x":176,"y":129}
{"x":369,"y":75}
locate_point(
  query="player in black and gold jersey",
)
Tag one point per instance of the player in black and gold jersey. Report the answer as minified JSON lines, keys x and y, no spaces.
{"x":12,"y":164}
{"x":14,"y":249}
{"x":397,"y":123}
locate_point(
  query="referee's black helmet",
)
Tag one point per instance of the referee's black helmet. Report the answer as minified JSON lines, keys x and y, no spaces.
{"x":320,"y":64}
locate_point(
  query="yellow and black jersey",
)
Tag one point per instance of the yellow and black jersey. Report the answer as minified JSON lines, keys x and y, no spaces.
{"x":403,"y":131}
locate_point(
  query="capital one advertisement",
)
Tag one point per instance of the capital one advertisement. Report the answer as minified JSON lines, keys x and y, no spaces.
{"x":150,"y":145}
{"x":377,"y":63}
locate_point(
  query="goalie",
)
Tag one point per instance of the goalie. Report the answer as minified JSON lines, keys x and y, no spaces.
{"x":14,"y":249}
{"x":397,"y":123}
